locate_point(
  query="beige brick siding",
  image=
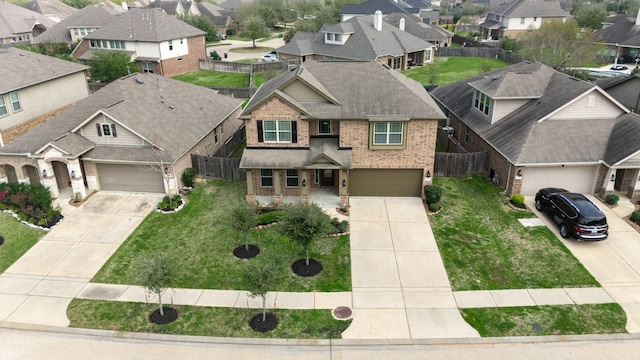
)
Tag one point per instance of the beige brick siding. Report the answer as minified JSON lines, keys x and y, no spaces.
{"x":276,"y":109}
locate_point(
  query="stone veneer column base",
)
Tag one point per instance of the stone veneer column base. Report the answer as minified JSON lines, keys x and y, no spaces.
{"x":344,"y":200}
{"x":277,"y":199}
{"x":304,"y":199}
{"x":251,"y":198}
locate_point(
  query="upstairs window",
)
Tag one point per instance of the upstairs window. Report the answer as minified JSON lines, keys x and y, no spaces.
{"x":482,"y":102}
{"x":170,"y":44}
{"x":521,"y":21}
{"x":3,"y":106}
{"x":108,"y":130}
{"x":324,"y":127}
{"x":15,"y":101}
{"x":387,"y":133}
{"x":282,"y":131}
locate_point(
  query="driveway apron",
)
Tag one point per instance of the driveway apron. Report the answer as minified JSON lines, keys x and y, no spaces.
{"x":38,"y":287}
{"x":400,"y":286}
{"x":614,"y":262}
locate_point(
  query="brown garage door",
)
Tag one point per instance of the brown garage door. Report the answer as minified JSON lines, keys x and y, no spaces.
{"x":387,"y":182}
{"x":130,"y":178}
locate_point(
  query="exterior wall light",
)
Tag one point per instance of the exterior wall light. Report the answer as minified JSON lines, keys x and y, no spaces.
{"x":44,"y":173}
{"x":613,"y":177}
{"x":304,"y":182}
{"x":519,"y":172}
{"x":73,"y":174}
{"x":428,"y":174}
{"x":344,"y":182}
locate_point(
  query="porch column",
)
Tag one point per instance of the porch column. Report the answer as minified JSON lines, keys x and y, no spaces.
{"x":610,"y":180}
{"x":251,"y":195}
{"x":343,"y":185}
{"x":306,"y":185}
{"x":77,"y":179}
{"x":277,"y":190}
{"x":48,"y":178}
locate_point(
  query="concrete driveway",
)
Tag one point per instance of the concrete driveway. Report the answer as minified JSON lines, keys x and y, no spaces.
{"x":38,"y":287}
{"x":614,"y":262}
{"x":400,"y":288}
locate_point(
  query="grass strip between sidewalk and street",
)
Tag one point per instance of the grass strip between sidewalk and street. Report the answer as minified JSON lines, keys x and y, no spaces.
{"x":204,"y":321}
{"x":547,"y":320}
{"x":484,"y":246}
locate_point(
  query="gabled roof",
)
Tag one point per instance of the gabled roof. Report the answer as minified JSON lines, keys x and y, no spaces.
{"x":388,"y":93}
{"x":623,"y":31}
{"x":15,"y":19}
{"x":369,"y":7}
{"x":365,"y":43}
{"x":606,"y":83}
{"x":624,"y":139}
{"x":218,"y":15}
{"x":148,"y":25}
{"x":415,"y":26}
{"x":21,"y":68}
{"x":234,"y":4}
{"x":515,"y":85}
{"x":520,"y":136}
{"x":53,"y":9}
{"x":90,"y":16}
{"x":169,"y":6}
{"x":319,"y":149}
{"x":171,"y":114}
{"x":530,"y":8}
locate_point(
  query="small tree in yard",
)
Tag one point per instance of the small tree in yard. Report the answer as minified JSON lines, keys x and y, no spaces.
{"x":253,"y":27}
{"x":155,"y":273}
{"x":243,"y":218}
{"x":305,"y":223}
{"x":258,"y":279}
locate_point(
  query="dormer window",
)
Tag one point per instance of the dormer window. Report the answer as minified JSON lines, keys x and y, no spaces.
{"x":333,"y":38}
{"x":482,"y":102}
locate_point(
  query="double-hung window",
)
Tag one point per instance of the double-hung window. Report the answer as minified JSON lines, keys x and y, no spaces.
{"x":387,"y":133}
{"x":266,"y":178}
{"x":276,"y":131}
{"x":482,"y":102}
{"x":15,"y":101}
{"x":108,"y":130}
{"x":292,"y":177}
{"x":147,"y":67}
{"x":3,"y":106}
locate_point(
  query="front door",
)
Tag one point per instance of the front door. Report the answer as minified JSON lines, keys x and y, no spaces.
{"x":619,"y":180}
{"x":326,"y":178}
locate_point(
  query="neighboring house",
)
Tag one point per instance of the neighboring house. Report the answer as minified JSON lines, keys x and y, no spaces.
{"x":19,"y":25}
{"x":370,"y":7}
{"x":75,"y":27}
{"x":33,"y":88}
{"x":234,"y":5}
{"x":135,"y":134}
{"x":414,"y":26}
{"x":543,"y":128}
{"x":621,"y":34}
{"x":518,"y":16}
{"x":158,"y":42}
{"x":625,"y":89}
{"x":430,"y":17}
{"x":218,"y":16}
{"x":365,"y":38}
{"x":55,"y":10}
{"x":176,"y":7}
{"x":310,"y":129}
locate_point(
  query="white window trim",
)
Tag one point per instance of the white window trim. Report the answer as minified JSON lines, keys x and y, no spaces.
{"x":324,"y":133}
{"x":388,"y":133}
{"x":4,"y":105}
{"x":108,"y":127}
{"x":277,"y":131}
{"x":17,"y":101}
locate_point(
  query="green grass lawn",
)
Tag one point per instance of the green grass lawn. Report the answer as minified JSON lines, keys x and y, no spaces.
{"x":484,"y":247}
{"x":204,"y":321}
{"x":19,"y":239}
{"x":552,"y":320}
{"x":201,"y":239}
{"x":450,"y":69}
{"x":214,"y":78}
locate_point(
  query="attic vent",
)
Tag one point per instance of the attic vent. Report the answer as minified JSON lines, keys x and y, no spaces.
{"x":21,"y":54}
{"x":139,"y":81}
{"x":496,"y":77}
{"x":172,"y":107}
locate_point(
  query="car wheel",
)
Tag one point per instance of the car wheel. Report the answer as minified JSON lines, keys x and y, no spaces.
{"x":564,"y":231}
{"x":538,"y":205}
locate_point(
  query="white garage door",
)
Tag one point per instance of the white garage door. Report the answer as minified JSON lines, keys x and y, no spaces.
{"x":579,"y":179}
{"x":130,"y":178}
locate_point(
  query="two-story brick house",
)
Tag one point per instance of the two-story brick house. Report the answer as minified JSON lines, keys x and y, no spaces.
{"x":352,"y":128}
{"x":158,"y":43}
{"x":518,"y":16}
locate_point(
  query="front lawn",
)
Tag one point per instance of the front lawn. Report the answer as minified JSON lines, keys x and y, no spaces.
{"x":484,"y":247}
{"x":550,"y":320}
{"x":204,"y":321}
{"x":19,"y":239}
{"x":201,"y":240}
{"x":450,"y":69}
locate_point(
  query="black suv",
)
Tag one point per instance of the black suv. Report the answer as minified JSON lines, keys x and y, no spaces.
{"x":576,"y":215}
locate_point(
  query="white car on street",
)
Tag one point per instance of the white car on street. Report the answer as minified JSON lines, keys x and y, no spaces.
{"x":269,"y":58}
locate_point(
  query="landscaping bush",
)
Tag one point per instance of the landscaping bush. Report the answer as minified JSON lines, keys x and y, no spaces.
{"x":188,"y":177}
{"x":517,"y":199}
{"x":433,"y":207}
{"x":170,"y":203}
{"x":29,"y":202}
{"x":635,"y":217}
{"x":432,"y":193}
{"x":340,"y":226}
{"x":268,"y":217}
{"x":612,"y":199}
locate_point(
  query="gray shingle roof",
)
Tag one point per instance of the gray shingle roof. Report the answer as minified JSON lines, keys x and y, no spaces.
{"x":149,"y":25}
{"x":15,"y":19}
{"x":624,"y":139}
{"x":369,"y":7}
{"x":50,"y":8}
{"x":624,"y":31}
{"x":144,"y":108}
{"x":90,"y":16}
{"x":530,"y":8}
{"x":414,"y":26}
{"x":72,"y":144}
{"x":519,"y":136}
{"x":21,"y":68}
{"x":515,"y":85}
{"x":365,"y":42}
{"x":377,"y":91}
{"x":297,"y":158}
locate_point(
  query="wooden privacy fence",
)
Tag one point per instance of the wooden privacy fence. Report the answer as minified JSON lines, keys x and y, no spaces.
{"x":485,"y":52}
{"x":245,"y":68}
{"x":220,"y":168}
{"x":460,"y":164}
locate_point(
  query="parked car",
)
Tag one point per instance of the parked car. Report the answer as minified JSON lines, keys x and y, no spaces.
{"x":221,"y":35}
{"x":619,"y":67}
{"x":269,"y":58}
{"x":576,"y":215}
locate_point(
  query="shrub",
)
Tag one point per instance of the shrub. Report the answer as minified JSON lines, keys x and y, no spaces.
{"x":517,"y":199}
{"x":268,"y":217}
{"x":433,"y":207}
{"x":635,"y":216}
{"x":340,"y":226}
{"x":188,"y":177}
{"x":162,"y":205}
{"x":612,"y":199}
{"x":432,"y":193}
{"x":176,"y":198}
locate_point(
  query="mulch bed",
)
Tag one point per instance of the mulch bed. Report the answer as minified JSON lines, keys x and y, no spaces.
{"x":170,"y":315}
{"x":268,"y":324}
{"x":249,"y":252}
{"x":301,"y":268}
{"x":72,"y":202}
